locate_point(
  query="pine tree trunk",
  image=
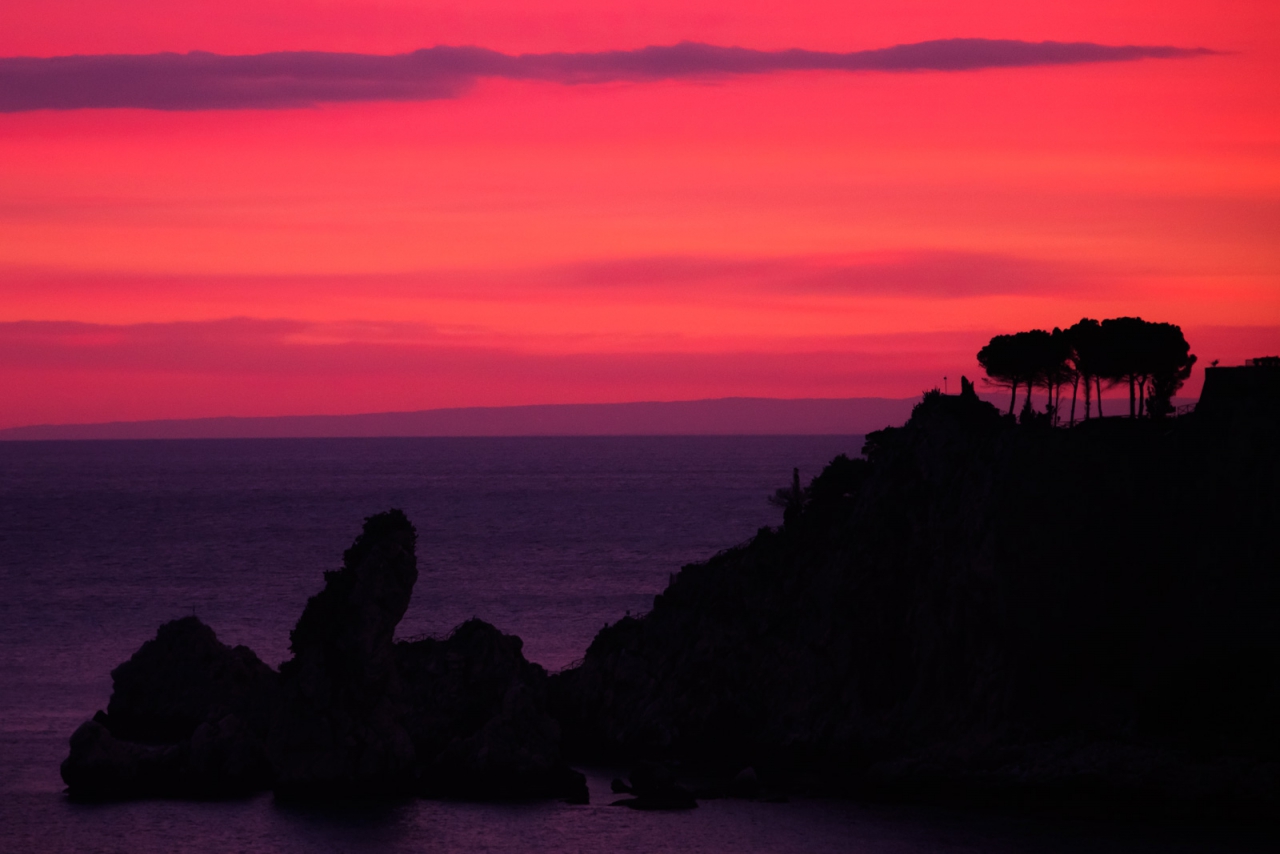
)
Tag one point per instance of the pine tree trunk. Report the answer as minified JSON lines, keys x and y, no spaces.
{"x":1013,"y":401}
{"x":1075,"y":387}
{"x":1133,"y":406}
{"x":1098,"y":382}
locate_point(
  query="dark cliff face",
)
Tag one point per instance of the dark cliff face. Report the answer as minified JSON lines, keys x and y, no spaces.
{"x":972,"y":595}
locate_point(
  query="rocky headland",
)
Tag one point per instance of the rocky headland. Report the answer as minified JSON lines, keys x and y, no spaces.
{"x":978,"y":608}
{"x":975,"y":607}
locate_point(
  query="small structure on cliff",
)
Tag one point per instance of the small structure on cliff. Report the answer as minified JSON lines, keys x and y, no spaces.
{"x":1253,"y":386}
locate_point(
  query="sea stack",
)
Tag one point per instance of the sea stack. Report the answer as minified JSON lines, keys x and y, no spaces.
{"x":337,"y":727}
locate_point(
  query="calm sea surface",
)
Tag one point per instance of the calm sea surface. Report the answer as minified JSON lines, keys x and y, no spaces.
{"x":547,"y":538}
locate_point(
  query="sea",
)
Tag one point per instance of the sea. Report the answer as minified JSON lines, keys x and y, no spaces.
{"x":547,"y":538}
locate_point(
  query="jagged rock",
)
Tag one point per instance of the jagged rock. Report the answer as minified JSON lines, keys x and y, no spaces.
{"x":477,"y":715}
{"x":221,"y":758}
{"x":103,"y":766}
{"x":745,"y":784}
{"x":184,"y":677}
{"x":655,"y":788}
{"x":338,"y":726}
{"x":228,"y":755}
{"x":187,"y":716}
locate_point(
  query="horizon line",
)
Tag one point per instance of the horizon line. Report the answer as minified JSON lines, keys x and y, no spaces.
{"x":699,"y":417}
{"x":442,"y":409}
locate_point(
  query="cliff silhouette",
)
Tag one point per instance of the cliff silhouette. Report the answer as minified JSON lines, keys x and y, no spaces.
{"x":979,"y":606}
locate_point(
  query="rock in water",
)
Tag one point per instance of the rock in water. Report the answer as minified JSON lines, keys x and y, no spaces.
{"x":188,"y":716}
{"x":655,"y":788}
{"x":183,"y":678}
{"x":103,"y":766}
{"x":351,"y":713}
{"x":477,"y":714}
{"x":338,"y":726}
{"x":746,"y":784}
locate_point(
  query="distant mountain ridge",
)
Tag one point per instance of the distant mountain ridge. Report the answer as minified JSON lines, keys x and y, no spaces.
{"x":721,"y":416}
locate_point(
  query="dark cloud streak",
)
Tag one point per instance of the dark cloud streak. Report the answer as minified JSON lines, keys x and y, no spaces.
{"x":928,"y":274}
{"x":207,"y":81}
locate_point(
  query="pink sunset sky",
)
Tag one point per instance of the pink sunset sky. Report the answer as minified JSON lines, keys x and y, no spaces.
{"x":347,"y":231}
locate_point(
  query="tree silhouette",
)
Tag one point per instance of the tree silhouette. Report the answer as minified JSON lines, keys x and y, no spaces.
{"x":1085,"y":341}
{"x":1154,"y":359}
{"x":1125,"y":345}
{"x":1170,"y":366}
{"x":1138,"y":352}
{"x":1030,"y":359}
{"x":1002,"y":360}
{"x":1011,"y":361}
{"x":1055,"y":369}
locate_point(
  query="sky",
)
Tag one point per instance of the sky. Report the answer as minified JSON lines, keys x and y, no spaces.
{"x":286,"y":207}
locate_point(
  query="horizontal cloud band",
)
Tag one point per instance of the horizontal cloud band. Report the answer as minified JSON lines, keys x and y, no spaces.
{"x":207,"y":81}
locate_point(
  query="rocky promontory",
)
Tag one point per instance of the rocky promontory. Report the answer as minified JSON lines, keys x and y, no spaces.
{"x":977,"y":607}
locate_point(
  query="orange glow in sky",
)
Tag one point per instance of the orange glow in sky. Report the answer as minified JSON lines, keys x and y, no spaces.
{"x":524,"y":239}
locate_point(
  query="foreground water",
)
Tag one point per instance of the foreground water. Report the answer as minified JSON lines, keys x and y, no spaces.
{"x":546,"y":538}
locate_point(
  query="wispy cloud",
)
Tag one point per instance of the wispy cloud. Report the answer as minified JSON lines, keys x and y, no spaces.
{"x":207,"y":81}
{"x":917,"y":274}
{"x":286,"y":345}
